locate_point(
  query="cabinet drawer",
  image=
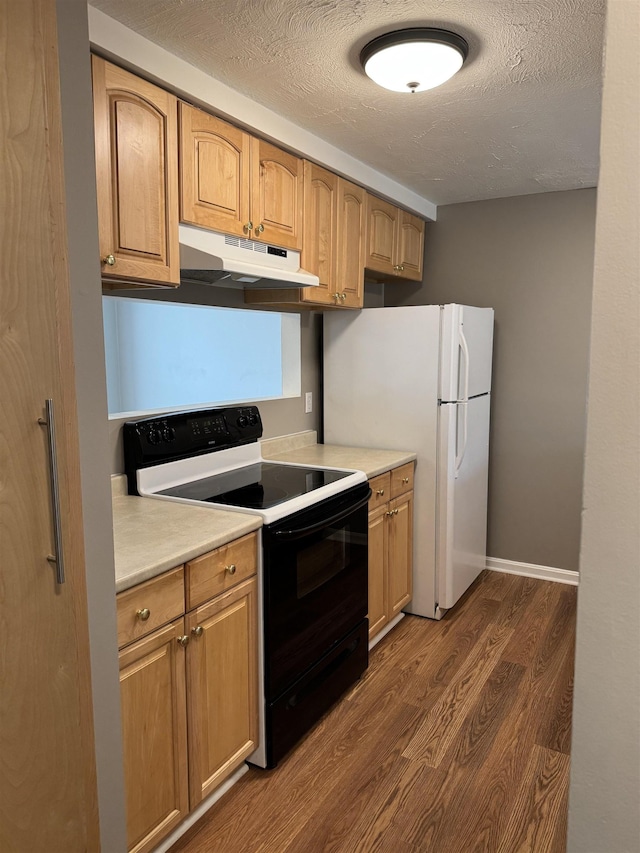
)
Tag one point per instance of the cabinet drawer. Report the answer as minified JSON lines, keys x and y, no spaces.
{"x":402,"y":480}
{"x":149,"y":605}
{"x":380,"y":490}
{"x":218,"y":571}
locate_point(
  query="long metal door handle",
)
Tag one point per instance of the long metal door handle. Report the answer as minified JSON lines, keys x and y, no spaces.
{"x":57,"y":557}
{"x":465,"y":351}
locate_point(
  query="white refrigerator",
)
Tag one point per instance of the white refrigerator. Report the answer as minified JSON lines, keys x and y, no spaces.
{"x":419,"y":378}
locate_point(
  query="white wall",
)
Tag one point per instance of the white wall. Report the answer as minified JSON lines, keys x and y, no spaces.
{"x":604,"y":804}
{"x":86,"y":307}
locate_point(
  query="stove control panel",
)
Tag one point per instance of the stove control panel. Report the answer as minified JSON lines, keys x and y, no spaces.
{"x":166,"y":438}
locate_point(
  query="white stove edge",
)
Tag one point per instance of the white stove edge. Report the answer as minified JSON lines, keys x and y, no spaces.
{"x":152,"y":480}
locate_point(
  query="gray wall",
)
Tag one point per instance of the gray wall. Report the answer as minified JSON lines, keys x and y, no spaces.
{"x":279,"y":417}
{"x":605,"y":756}
{"x":531,"y":258}
{"x":86,"y":306}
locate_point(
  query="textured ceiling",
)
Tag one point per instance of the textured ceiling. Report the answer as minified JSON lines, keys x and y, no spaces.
{"x":522,"y":116}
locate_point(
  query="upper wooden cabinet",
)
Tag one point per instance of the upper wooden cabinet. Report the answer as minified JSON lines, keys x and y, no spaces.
{"x":233,"y":182}
{"x":137,"y":178}
{"x":395,"y":243}
{"x":334,"y":230}
{"x":335,"y":222}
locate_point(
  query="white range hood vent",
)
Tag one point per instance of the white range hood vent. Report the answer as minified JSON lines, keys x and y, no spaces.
{"x":208,"y":257}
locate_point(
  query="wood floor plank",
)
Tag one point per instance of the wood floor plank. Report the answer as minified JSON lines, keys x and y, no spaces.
{"x":475,"y":692}
{"x":437,"y":732}
{"x":538,"y":805}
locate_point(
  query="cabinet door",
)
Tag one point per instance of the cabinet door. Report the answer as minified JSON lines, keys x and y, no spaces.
{"x":222,"y":674}
{"x":352,"y":234}
{"x":400,"y":551}
{"x":381,"y":240}
{"x":276,"y":195}
{"x":378,"y":616}
{"x":410,"y":249}
{"x":214,"y":172}
{"x":47,"y":784}
{"x":137,"y":176}
{"x":154,"y":734}
{"x":319,"y":248}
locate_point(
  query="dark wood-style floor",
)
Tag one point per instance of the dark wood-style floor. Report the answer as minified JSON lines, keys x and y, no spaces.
{"x":455,"y":741}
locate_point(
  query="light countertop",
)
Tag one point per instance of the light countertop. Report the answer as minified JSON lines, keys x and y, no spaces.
{"x":371,"y":461}
{"x":152,"y":536}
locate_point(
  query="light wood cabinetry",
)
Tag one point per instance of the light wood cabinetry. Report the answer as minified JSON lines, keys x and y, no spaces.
{"x":236,"y":183}
{"x":395,"y":241}
{"x":154,"y":735}
{"x":189,"y":686}
{"x":333,"y":246}
{"x":136,"y":140}
{"x":48,"y":798}
{"x":390,"y":545}
{"x":222,"y":679}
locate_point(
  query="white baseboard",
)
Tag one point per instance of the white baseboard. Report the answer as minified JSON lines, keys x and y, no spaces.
{"x":385,"y":630}
{"x":530,"y":570}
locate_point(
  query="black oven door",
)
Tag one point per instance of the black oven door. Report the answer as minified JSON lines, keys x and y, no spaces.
{"x":315,"y":584}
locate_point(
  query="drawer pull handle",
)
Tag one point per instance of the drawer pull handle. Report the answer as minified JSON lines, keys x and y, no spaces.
{"x":380,"y":492}
{"x":197,"y":631}
{"x":143,"y":614}
{"x":405,"y":480}
{"x":183,"y":641}
{"x":230,"y":569}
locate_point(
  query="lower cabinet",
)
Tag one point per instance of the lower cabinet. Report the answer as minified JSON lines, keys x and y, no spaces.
{"x":390,"y":546}
{"x":222,"y":682}
{"x":154,"y":733}
{"x":188,"y":689}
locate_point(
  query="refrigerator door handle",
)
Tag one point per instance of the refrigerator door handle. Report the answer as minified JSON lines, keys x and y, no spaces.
{"x":461,"y":411}
{"x":465,"y":351}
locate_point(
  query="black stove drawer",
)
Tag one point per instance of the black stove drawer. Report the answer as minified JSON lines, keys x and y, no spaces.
{"x":302,"y":705}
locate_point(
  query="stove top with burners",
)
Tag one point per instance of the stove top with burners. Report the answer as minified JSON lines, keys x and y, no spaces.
{"x":213,"y":457}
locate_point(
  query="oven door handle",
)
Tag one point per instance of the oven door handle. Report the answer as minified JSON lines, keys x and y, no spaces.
{"x":299,"y":532}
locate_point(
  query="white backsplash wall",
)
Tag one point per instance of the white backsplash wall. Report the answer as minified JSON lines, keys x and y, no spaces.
{"x":279,"y":417}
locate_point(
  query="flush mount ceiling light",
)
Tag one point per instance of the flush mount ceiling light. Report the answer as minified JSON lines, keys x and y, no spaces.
{"x":414,"y":59}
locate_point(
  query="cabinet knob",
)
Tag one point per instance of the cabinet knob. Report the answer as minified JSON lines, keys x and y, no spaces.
{"x":343,"y":296}
{"x":230,"y":569}
{"x":143,"y":614}
{"x":197,"y":631}
{"x":405,"y":480}
{"x":380,"y":492}
{"x":389,"y":513}
{"x":109,"y":260}
{"x":260,"y":228}
{"x":398,"y":267}
{"x":183,"y":641}
{"x":247,"y":228}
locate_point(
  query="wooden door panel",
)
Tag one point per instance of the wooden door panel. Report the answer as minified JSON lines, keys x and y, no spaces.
{"x":377,"y":571}
{"x":48,"y":795}
{"x":320,"y":232}
{"x":382,"y":224}
{"x":400,"y":553}
{"x":214,"y":172}
{"x":154,"y":735}
{"x":136,"y":176}
{"x":410,"y":246}
{"x":222,"y":688}
{"x":276,"y":195}
{"x":139,"y":195}
{"x":352,"y":233}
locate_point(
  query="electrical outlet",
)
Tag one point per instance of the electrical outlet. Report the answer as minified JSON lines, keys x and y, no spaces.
{"x":308,"y":402}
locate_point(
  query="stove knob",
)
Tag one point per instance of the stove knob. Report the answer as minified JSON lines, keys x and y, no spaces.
{"x":253,"y":419}
{"x":242,"y":422}
{"x":154,"y":435}
{"x":168,"y":433}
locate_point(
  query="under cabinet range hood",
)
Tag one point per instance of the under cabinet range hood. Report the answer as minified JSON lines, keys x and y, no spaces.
{"x":208,"y":257}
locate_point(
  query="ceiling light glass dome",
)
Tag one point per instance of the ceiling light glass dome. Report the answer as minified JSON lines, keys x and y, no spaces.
{"x":415,"y":59}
